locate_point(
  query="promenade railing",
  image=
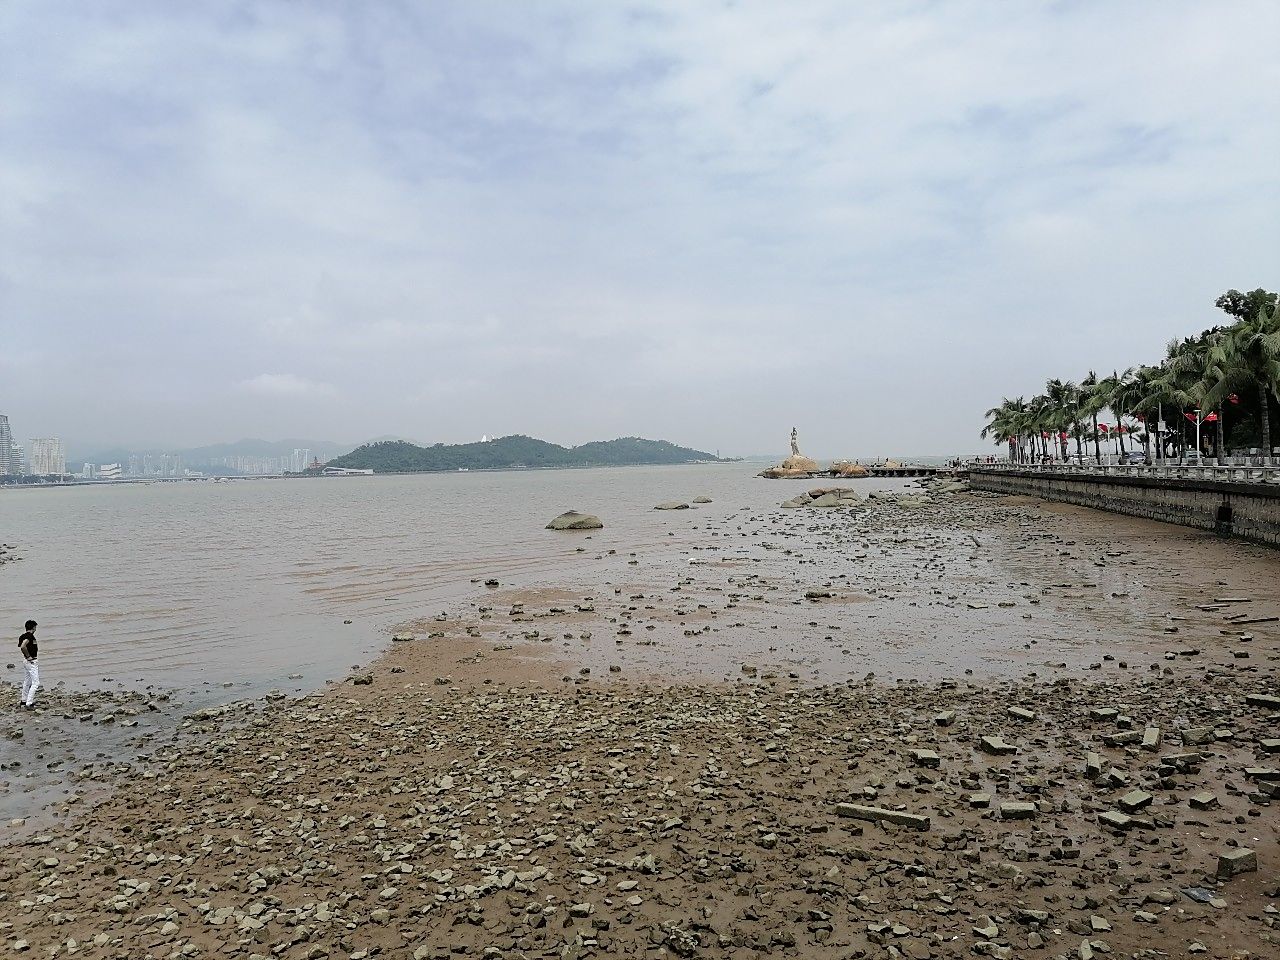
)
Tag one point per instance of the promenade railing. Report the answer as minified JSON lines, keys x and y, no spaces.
{"x":1260,"y":470}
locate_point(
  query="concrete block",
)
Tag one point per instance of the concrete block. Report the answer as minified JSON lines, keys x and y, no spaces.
{"x":1016,"y":810}
{"x":1237,"y":861}
{"x":1195,"y":736}
{"x":1093,"y":766}
{"x":1135,"y":800}
{"x":996,"y":746}
{"x":1115,"y":820}
{"x":857,"y":811}
{"x":926,"y":758}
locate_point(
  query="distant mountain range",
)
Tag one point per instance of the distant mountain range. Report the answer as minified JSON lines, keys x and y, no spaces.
{"x":398,"y":456}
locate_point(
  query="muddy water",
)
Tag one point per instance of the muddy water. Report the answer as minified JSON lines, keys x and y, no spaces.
{"x":251,"y":582}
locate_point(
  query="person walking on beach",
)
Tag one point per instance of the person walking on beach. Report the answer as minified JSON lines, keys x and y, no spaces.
{"x":30,"y":650}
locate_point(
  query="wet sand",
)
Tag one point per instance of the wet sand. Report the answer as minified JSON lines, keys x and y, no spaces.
{"x":669,"y":760}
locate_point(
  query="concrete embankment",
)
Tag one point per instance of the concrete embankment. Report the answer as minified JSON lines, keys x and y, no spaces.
{"x":1248,"y":510}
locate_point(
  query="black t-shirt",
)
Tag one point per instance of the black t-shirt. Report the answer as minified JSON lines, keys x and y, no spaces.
{"x":32,"y":649}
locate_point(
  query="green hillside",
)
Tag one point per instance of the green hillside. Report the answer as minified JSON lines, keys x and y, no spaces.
{"x":397,"y":456}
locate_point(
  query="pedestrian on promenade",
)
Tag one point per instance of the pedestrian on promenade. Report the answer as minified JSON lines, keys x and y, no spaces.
{"x":30,"y":651}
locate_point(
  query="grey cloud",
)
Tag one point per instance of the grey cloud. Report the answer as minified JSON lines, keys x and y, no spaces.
{"x":582,"y":220}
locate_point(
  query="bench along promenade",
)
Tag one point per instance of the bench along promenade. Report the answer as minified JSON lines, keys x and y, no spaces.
{"x":1232,"y":499}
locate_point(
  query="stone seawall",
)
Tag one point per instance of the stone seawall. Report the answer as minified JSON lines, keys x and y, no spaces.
{"x":1248,"y":510}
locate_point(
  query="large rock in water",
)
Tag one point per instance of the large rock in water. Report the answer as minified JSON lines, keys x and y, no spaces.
{"x":796,"y":465}
{"x":824,"y":497}
{"x":573,"y":520}
{"x":672,"y":505}
{"x":849,"y":470}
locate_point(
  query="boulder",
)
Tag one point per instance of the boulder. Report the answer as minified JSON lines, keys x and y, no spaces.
{"x":796,"y":465}
{"x":701,"y":499}
{"x":848,"y":469}
{"x":672,"y":505}
{"x":573,"y":520}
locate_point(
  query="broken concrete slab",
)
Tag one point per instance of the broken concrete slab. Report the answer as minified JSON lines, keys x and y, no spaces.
{"x":857,"y":811}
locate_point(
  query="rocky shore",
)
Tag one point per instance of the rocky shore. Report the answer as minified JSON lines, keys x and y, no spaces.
{"x":937,"y":726}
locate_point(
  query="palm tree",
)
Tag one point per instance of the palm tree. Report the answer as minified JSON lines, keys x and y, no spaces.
{"x":1117,"y":394}
{"x":1039,"y":415}
{"x":1092,"y":403}
{"x":1006,"y":424}
{"x":1062,"y":410}
{"x":1248,"y":356}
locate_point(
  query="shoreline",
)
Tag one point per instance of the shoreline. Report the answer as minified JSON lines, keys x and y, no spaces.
{"x":480,"y":773}
{"x":220,"y":478}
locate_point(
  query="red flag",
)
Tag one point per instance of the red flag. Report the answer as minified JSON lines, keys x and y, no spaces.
{"x":1233,"y":398}
{"x":1103,"y":428}
{"x":1140,"y":416}
{"x":1190,"y":416}
{"x":1211,"y":418}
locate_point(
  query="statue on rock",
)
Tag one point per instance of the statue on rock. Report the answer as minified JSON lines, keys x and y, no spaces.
{"x":796,"y":465}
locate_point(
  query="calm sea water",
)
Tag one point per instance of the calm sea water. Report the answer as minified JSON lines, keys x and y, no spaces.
{"x":250,"y":582}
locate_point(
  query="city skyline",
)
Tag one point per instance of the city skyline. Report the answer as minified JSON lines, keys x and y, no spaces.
{"x":47,"y":457}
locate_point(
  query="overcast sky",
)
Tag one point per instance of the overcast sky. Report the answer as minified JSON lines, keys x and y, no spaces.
{"x":694,"y":221}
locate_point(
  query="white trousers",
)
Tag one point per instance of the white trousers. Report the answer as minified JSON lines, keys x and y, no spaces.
{"x":32,"y":683}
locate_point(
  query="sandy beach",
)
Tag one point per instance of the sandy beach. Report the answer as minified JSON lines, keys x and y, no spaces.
{"x":925,"y":727}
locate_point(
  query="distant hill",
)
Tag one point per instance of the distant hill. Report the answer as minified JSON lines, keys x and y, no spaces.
{"x":397,"y":456}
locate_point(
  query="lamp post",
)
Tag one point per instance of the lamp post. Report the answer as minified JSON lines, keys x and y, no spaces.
{"x":1197,"y":434}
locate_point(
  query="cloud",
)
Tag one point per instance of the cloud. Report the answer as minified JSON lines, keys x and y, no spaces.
{"x":699,"y":221}
{"x":284,"y":385}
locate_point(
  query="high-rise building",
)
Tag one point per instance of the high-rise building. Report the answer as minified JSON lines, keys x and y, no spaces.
{"x":109,"y":471}
{"x":300,"y":460}
{"x":47,"y":457}
{"x":8,"y":459}
{"x":87,"y":471}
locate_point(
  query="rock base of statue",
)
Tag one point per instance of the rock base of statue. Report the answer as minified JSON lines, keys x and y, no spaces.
{"x":795,"y":466}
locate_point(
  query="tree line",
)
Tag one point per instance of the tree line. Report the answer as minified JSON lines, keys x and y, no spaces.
{"x":1230,"y":374}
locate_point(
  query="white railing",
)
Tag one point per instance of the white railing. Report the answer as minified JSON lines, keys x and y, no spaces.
{"x":1259,"y":470}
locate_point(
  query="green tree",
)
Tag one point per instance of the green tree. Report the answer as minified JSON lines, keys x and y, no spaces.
{"x":1006,"y":424}
{"x":1247,"y":356}
{"x":1093,"y":403}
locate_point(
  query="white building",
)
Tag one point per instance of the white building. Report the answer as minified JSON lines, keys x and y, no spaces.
{"x":109,"y":471}
{"x":9,"y":453}
{"x":300,"y":460}
{"x":87,"y":471}
{"x":47,"y":457}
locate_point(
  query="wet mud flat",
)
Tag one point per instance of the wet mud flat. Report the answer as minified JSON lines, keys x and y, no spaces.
{"x":74,"y":744}
{"x":1103,"y":783}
